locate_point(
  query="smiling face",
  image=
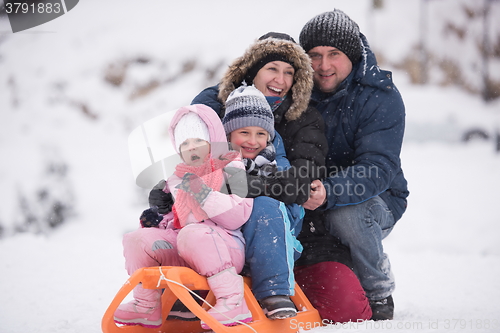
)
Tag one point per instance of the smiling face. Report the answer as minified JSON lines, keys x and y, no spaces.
{"x":331,"y":66}
{"x":275,"y":78}
{"x":249,"y":140}
{"x":194,"y":151}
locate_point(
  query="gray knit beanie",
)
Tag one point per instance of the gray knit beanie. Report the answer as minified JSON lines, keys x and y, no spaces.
{"x":247,"y":106}
{"x":334,"y":29}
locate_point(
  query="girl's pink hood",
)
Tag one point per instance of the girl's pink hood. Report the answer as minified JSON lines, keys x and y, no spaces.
{"x":218,"y":139}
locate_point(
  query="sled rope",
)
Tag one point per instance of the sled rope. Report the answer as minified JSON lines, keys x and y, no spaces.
{"x":163,"y":277}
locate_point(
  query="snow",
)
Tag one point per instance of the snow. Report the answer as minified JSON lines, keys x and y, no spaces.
{"x":445,"y":252}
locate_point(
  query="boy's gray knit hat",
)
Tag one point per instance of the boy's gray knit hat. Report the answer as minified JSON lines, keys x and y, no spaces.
{"x":247,"y":106}
{"x":334,"y":29}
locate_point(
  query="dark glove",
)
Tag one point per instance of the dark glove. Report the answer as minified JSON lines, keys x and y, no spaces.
{"x":256,"y":186}
{"x":195,"y":186}
{"x":281,"y":185}
{"x":287,"y":186}
{"x":268,"y":170}
{"x":150,"y":218}
{"x":160,"y":199}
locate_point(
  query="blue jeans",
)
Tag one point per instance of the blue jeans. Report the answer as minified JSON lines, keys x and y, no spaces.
{"x":271,"y":247}
{"x":362,"y":228}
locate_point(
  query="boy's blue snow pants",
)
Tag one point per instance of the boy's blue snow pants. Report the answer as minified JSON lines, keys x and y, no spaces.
{"x":271,"y":247}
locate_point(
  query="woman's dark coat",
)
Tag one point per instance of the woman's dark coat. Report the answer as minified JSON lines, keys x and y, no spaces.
{"x":300,"y":125}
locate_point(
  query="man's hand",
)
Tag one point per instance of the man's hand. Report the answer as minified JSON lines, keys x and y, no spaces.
{"x":317,"y":196}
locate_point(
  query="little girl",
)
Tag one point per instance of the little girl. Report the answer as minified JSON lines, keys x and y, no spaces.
{"x":203,"y":229}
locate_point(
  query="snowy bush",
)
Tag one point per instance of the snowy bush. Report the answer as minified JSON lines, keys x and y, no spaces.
{"x":43,"y":205}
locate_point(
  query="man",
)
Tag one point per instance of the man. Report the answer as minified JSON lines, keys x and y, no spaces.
{"x":365,"y":192}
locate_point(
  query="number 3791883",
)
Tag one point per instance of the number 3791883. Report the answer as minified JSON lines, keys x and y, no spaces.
{"x":25,"y":8}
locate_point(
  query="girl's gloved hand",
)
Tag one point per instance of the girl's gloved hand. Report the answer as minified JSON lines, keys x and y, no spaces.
{"x":195,"y":186}
{"x":150,"y":218}
{"x":163,"y":201}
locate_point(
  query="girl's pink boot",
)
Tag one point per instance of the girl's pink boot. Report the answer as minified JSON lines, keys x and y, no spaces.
{"x":230,"y":305}
{"x":144,"y":310}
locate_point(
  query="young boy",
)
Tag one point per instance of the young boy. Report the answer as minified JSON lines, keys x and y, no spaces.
{"x":273,"y":225}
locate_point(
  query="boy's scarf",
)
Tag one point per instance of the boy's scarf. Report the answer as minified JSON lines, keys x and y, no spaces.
{"x":266,"y":155}
{"x":274,"y":102}
{"x":211,"y":174}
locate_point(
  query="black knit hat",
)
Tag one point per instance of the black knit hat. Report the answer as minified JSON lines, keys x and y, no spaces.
{"x":334,"y":29}
{"x":278,"y":35}
{"x":275,"y":56}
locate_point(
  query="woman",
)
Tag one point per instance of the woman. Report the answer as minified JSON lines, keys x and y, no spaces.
{"x":281,"y":70}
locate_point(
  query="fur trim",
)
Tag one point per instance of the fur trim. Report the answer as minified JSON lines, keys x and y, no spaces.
{"x":303,"y":78}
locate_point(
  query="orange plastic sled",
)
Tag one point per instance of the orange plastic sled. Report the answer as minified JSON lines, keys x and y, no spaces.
{"x":167,"y":277}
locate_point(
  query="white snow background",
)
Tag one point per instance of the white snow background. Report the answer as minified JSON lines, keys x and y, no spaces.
{"x":55,"y":105}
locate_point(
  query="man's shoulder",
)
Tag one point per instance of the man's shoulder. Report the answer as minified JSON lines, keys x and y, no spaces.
{"x":376,"y":84}
{"x":310,"y":115}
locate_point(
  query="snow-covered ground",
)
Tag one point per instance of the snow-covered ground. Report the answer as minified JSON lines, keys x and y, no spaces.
{"x":445,"y":251}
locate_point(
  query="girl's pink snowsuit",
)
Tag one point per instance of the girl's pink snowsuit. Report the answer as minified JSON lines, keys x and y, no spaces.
{"x":208,"y":247}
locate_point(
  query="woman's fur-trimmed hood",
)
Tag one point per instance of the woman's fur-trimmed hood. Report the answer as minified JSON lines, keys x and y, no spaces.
{"x":300,"y":92}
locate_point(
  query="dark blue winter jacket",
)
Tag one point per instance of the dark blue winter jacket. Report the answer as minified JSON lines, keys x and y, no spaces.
{"x":365,"y":120}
